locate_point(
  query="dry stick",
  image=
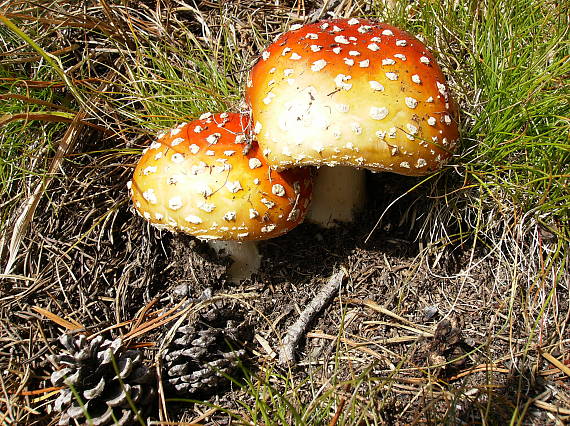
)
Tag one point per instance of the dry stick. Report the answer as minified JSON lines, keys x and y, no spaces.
{"x":24,"y":220}
{"x":340,"y":408}
{"x":294,"y":333}
{"x":70,"y":325}
{"x":559,"y":364}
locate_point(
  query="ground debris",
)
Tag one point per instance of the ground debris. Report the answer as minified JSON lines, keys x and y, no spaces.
{"x":295,"y":332}
{"x":446,"y":349}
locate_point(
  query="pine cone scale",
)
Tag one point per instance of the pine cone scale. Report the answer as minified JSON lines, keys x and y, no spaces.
{"x":104,"y":374}
{"x":201,"y":355}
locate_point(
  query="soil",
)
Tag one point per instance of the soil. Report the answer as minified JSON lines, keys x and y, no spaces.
{"x":122,"y":264}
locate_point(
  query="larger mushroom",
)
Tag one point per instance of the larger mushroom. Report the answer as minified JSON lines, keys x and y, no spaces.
{"x":201,"y":178}
{"x":356,"y":93}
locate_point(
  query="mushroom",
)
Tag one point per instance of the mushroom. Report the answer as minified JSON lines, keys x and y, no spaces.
{"x":205,"y":178}
{"x":351,"y":93}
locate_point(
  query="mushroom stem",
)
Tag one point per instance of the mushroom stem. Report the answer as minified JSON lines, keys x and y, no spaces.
{"x":338,"y":193}
{"x":245,"y":257}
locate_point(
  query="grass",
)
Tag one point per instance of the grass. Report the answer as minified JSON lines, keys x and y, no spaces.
{"x":23,"y":140}
{"x":500,"y":209}
{"x":516,"y":125}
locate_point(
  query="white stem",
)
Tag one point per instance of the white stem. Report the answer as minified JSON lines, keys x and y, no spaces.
{"x":338,"y":193}
{"x":245,"y":256}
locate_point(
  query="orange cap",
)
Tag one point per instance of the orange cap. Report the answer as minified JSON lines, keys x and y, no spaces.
{"x":352,"y":92}
{"x":197,"y":179}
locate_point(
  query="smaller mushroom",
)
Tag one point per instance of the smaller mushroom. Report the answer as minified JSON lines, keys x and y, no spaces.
{"x":200,"y":179}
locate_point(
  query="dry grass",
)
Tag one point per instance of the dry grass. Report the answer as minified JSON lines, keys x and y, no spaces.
{"x":456,"y":307}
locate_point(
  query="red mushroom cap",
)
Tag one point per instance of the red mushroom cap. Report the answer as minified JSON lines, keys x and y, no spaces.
{"x":196,"y":179}
{"x":352,"y":92}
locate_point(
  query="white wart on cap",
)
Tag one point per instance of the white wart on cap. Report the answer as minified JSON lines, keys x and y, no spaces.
{"x":197,"y":180}
{"x":352,"y":92}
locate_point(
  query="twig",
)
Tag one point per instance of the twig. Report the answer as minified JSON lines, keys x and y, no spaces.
{"x":559,"y":364}
{"x":551,"y":407}
{"x":375,"y":306}
{"x":299,"y":327}
{"x":173,"y":313}
{"x":70,"y":325}
{"x":144,"y":313}
{"x":356,"y":345}
{"x":40,"y":391}
{"x":340,"y":408}
{"x":487,"y":368}
{"x":23,"y":221}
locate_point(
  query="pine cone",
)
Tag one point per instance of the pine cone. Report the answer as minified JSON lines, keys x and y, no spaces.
{"x":87,"y":371}
{"x":204,"y":352}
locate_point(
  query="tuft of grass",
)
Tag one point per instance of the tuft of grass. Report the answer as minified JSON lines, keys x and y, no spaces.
{"x":32,"y":119}
{"x":161,"y":73}
{"x":508,"y":62}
